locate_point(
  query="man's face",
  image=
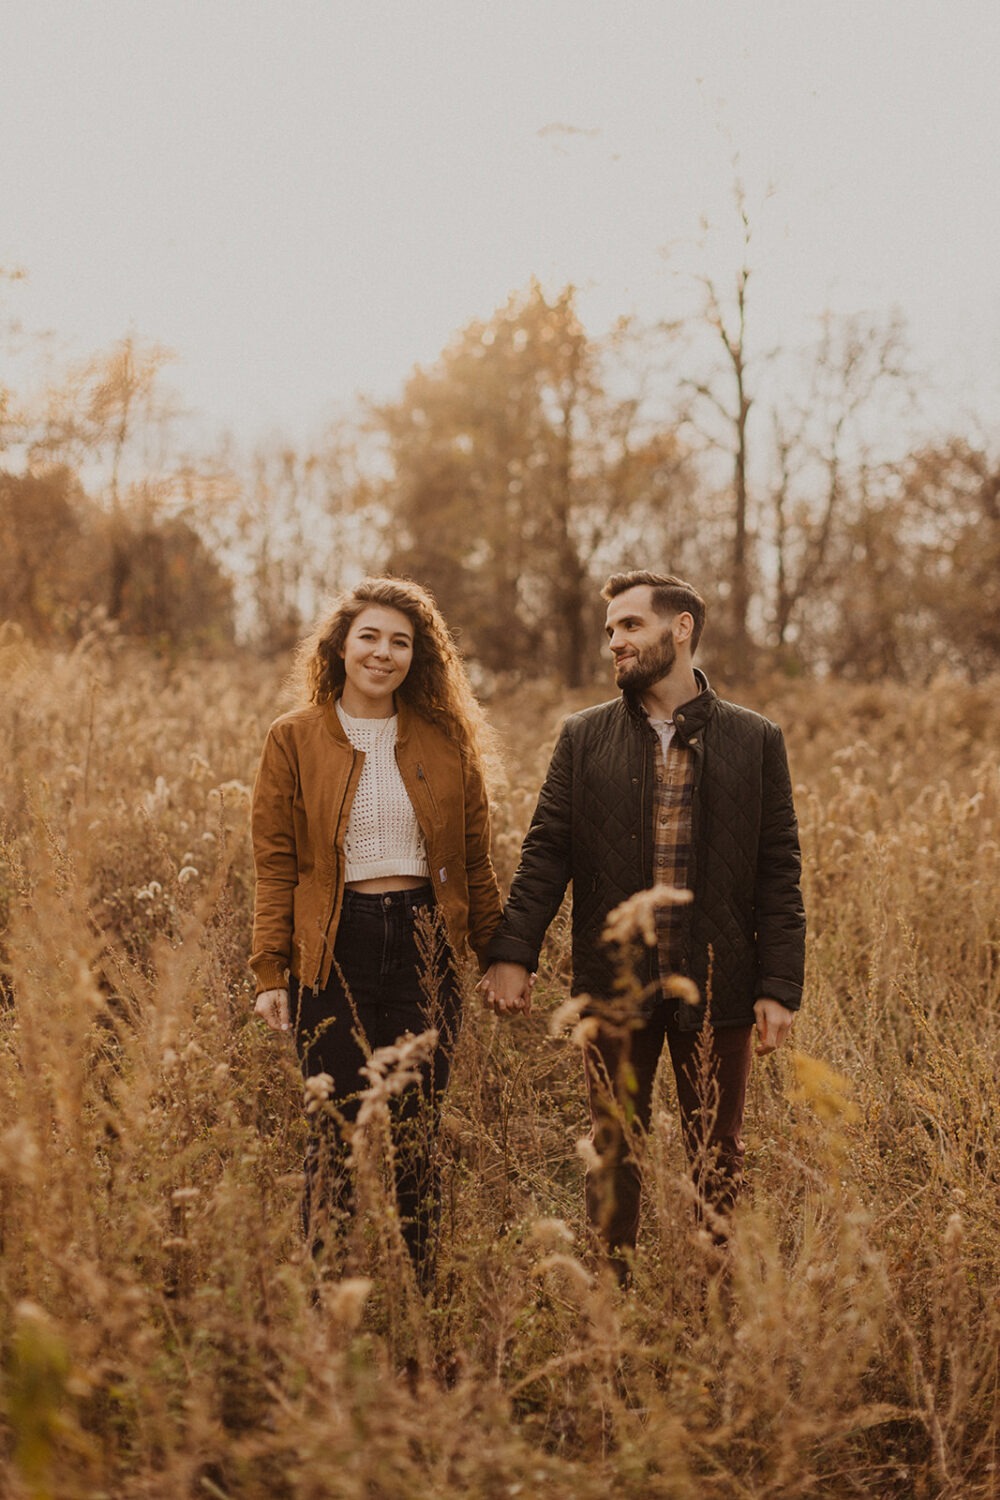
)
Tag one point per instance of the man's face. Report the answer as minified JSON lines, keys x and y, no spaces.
{"x":641,"y":641}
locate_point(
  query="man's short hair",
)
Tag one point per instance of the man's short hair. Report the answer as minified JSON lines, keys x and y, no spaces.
{"x":670,"y":596}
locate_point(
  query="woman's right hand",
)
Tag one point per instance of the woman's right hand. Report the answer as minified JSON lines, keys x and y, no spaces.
{"x":273,"y":1006}
{"x":506,"y":989}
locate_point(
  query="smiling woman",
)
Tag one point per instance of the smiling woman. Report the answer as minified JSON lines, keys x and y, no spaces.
{"x":377,"y":656}
{"x":371,"y":822}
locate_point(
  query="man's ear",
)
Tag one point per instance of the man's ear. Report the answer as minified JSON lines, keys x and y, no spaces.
{"x":683,"y":626}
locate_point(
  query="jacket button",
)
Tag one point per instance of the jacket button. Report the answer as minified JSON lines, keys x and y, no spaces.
{"x":678,"y":718}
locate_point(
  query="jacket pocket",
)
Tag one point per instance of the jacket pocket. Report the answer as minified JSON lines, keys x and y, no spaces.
{"x":424,"y":780}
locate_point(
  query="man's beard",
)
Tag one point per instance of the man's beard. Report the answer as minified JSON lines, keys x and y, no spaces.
{"x":650,"y":666}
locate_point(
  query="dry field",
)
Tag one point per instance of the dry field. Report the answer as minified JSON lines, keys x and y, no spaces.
{"x":162,"y":1333}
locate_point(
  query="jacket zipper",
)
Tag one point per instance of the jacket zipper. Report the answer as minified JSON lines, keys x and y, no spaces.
{"x":336,"y":856}
{"x":646,"y":804}
{"x":698,"y":751}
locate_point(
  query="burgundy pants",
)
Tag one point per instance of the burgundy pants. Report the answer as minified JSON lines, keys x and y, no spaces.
{"x":711,"y":1093}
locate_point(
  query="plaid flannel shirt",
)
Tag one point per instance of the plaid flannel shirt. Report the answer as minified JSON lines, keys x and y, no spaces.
{"x":674,"y":788}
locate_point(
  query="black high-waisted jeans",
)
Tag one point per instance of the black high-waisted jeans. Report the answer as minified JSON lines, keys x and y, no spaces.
{"x":373,"y":996}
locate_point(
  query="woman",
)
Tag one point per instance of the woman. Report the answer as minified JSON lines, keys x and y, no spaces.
{"x":370,"y":816}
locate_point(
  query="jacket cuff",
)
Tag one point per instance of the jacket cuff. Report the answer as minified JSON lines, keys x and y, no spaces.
{"x":511,"y":950}
{"x":270,"y":974}
{"x":788,"y":995}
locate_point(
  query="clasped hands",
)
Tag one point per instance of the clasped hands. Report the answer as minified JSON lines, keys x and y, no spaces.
{"x":506,"y":989}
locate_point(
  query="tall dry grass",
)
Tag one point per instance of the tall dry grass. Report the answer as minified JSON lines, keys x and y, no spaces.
{"x":163,"y":1333}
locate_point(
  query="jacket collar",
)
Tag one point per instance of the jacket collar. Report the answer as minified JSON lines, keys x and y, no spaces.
{"x":690,"y":718}
{"x":335,"y":729}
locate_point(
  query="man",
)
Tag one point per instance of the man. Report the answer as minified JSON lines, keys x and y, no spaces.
{"x":667,"y":784}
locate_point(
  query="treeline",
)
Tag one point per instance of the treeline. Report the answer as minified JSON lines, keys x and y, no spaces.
{"x":510,"y":476}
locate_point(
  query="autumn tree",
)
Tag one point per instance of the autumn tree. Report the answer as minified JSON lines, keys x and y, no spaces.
{"x":515,"y":477}
{"x":175,"y":593}
{"x":911,"y":585}
{"x":951,"y":491}
{"x":46,"y":559}
{"x":107,"y":407}
{"x":11,"y":420}
{"x":112,"y":424}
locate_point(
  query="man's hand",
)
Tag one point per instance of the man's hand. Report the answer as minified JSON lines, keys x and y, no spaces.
{"x":273,"y":1006}
{"x":506,"y":989}
{"x":774,"y":1023}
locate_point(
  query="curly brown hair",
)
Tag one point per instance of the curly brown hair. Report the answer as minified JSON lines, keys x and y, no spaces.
{"x":436,"y":687}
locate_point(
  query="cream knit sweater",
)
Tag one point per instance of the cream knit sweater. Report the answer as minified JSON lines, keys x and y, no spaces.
{"x":383,"y":836}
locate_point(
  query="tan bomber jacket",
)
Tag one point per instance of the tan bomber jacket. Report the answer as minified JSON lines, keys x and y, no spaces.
{"x":302,"y":797}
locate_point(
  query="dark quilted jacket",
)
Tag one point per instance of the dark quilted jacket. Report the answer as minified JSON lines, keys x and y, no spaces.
{"x":593,"y":826}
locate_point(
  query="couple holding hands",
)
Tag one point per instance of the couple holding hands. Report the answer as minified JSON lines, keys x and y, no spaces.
{"x":371,"y":837}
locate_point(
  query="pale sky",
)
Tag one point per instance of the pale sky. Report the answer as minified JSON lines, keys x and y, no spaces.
{"x":303,"y":200}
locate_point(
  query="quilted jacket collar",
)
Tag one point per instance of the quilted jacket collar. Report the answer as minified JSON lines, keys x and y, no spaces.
{"x":691,"y":718}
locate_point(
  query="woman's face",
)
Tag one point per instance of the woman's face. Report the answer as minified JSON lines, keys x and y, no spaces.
{"x":377,"y":655}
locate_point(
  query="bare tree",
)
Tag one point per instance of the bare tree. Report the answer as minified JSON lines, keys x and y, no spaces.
{"x":853,"y":381}
{"x":719,"y":406}
{"x":295,"y":523}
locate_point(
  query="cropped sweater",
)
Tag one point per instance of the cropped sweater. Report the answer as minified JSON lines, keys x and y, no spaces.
{"x":383,"y":835}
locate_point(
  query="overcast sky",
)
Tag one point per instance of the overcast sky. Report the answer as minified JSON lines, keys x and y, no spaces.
{"x":305,"y":199}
